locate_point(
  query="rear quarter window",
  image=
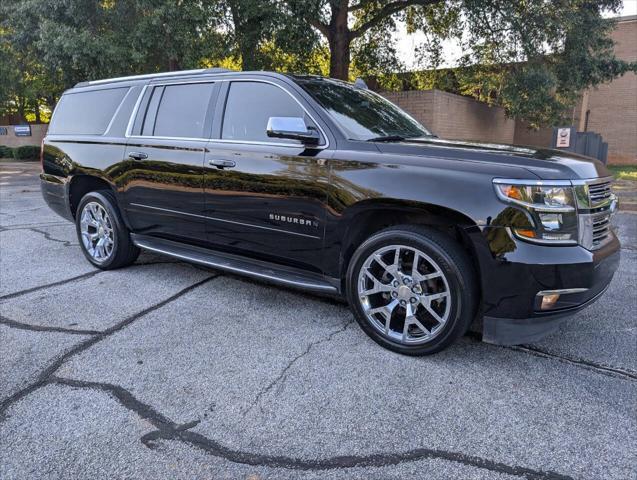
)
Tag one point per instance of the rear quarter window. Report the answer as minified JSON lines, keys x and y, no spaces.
{"x":86,"y":113}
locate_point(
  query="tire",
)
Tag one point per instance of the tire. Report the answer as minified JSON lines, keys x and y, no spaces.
{"x":98,"y":220}
{"x":413,"y":312}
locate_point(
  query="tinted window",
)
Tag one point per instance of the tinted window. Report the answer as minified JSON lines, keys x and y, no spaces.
{"x":182,"y":110}
{"x":362,"y":114}
{"x":86,"y":113}
{"x":250,"y":105}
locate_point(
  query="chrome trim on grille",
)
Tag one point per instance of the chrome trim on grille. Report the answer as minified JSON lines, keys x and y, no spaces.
{"x":594,"y":229}
{"x":594,"y":193}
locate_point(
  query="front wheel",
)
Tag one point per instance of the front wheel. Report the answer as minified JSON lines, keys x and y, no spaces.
{"x":104,"y":239}
{"x":412,"y":289}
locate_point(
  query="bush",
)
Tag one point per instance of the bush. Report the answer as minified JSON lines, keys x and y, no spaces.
{"x":26,"y":152}
{"x":6,"y":152}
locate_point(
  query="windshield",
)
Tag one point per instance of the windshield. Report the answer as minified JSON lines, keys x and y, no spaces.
{"x":362,"y":114}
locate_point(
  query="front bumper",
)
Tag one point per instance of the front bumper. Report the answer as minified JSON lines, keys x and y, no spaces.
{"x":517,"y":331}
{"x":512,"y":279}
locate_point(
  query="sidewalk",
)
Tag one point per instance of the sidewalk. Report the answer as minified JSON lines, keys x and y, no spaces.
{"x":626,"y":190}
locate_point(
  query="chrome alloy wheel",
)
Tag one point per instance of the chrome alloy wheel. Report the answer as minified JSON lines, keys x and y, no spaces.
{"x":404,"y":294}
{"x":97,"y":231}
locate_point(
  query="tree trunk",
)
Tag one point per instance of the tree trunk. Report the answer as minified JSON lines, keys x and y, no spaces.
{"x":249,"y":54}
{"x":339,"y":57}
{"x":38,"y":116}
{"x":247,"y":31}
{"x":339,"y":41}
{"x":173,"y":64}
{"x":22,"y":107}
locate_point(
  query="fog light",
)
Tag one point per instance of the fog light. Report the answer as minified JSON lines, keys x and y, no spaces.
{"x":549,"y":301}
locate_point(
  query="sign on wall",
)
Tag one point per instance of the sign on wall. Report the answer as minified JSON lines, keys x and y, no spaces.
{"x":4,"y":131}
{"x":22,"y":130}
{"x":563,"y":137}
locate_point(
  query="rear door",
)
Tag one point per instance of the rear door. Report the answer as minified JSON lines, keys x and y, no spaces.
{"x":162,"y":174}
{"x":271,"y":202}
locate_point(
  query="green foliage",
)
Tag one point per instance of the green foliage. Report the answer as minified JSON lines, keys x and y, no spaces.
{"x":531,"y":57}
{"x":534,"y":58}
{"x":50,"y":45}
{"x":624,"y":172}
{"x":6,"y":152}
{"x":26,"y":152}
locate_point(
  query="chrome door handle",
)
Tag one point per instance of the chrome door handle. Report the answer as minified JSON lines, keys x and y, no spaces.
{"x":222,"y":163}
{"x":137,"y":155}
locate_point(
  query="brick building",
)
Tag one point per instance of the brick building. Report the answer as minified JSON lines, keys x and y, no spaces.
{"x":611,"y":109}
{"x":455,"y":117}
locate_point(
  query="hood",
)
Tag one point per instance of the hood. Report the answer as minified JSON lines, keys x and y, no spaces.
{"x":547,"y":164}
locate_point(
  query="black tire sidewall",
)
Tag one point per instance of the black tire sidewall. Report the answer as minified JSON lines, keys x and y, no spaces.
{"x":119,"y":230}
{"x":461,"y":299}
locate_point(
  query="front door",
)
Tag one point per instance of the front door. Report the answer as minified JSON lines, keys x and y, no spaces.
{"x":265,"y":197}
{"x":162,"y":174}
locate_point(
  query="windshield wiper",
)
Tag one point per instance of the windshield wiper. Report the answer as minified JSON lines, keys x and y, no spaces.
{"x":386,"y":138}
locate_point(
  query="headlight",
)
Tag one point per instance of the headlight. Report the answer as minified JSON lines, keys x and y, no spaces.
{"x":551,"y":207}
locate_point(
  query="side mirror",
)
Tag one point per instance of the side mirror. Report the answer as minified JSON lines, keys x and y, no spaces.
{"x":292,"y":128}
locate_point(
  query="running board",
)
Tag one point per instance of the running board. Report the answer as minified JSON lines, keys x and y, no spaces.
{"x":267,"y":271}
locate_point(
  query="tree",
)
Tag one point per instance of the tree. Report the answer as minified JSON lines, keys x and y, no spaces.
{"x":251,"y":23}
{"x":263,"y":37}
{"x":341,"y":22}
{"x":535,"y":58}
{"x":53,"y":45}
{"x":531,"y":57}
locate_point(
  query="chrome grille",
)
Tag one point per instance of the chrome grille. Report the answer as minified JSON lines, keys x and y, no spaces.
{"x":596,"y":204}
{"x":601,"y":229}
{"x":599,"y":193}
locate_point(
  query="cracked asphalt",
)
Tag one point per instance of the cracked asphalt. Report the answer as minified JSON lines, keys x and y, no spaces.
{"x":167,"y":370}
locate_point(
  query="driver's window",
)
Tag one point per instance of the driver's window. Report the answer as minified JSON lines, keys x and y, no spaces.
{"x":249,"y":107}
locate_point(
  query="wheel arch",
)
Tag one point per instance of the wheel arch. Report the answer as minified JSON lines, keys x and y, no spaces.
{"x":366,"y":218}
{"x":80,"y":185}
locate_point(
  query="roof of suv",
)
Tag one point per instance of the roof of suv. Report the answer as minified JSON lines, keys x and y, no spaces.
{"x":182,"y":73}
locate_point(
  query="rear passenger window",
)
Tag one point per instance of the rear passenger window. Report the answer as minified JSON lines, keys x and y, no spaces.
{"x":182,"y":110}
{"x":250,"y":105}
{"x":86,"y":113}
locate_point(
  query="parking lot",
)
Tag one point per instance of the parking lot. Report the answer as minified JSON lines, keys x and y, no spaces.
{"x":168,"y":370}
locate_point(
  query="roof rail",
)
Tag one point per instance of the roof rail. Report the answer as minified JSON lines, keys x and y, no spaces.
{"x":153,"y":75}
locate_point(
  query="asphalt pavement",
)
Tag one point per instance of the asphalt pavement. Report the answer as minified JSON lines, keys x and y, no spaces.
{"x":168,"y":370}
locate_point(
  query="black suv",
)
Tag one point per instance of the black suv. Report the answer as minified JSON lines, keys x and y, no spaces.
{"x":326,"y":186}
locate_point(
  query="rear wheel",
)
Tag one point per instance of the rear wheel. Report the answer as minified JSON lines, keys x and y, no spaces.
{"x":104,"y":239}
{"x":412,"y":289}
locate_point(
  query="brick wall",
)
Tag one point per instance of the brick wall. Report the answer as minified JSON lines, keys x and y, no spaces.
{"x":418,"y":103}
{"x":10,"y":140}
{"x":613,"y":106}
{"x":454,"y":116}
{"x":458,"y":117}
{"x":535,"y":138}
